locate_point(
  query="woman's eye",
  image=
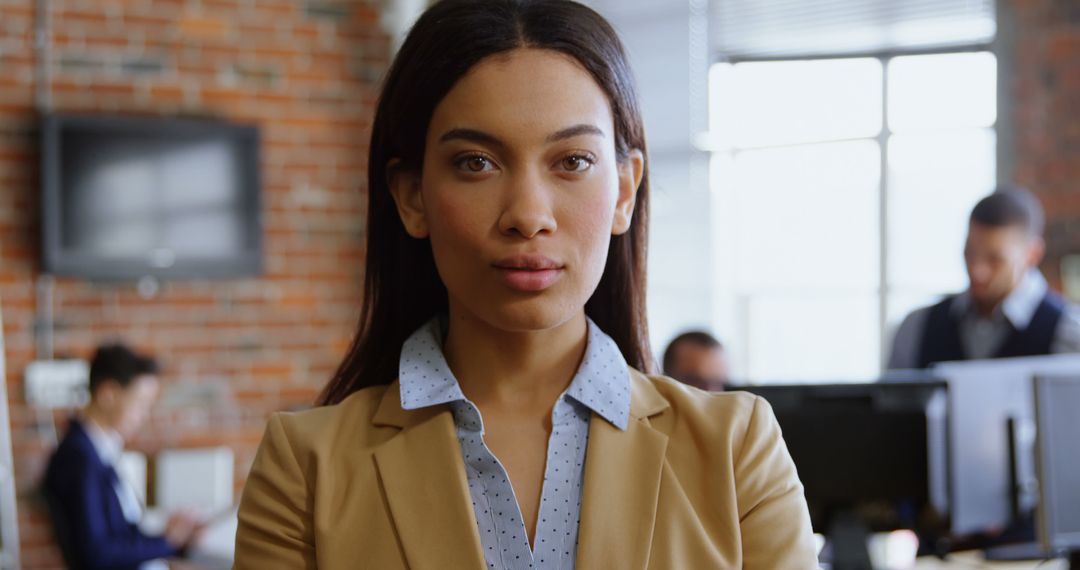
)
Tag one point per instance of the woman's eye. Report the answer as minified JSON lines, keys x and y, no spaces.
{"x":576,"y":163}
{"x":475,"y":163}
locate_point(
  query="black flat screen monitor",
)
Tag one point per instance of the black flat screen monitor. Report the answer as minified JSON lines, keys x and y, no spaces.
{"x":125,"y":198}
{"x":875,"y":451}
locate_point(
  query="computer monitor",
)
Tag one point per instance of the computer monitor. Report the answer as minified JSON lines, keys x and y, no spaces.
{"x":870,"y":455}
{"x":1057,"y":413}
{"x":130,"y":197}
{"x":992,"y":439}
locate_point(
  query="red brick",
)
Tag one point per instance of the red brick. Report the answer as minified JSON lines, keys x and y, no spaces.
{"x":215,"y":97}
{"x":70,"y":16}
{"x":203,"y":27}
{"x":156,"y":19}
{"x":110,"y":89}
{"x":16,"y":108}
{"x":107,"y":42}
{"x":166,"y":93}
{"x":273,"y":369}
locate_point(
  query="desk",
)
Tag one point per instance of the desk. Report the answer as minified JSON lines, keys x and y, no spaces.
{"x":975,"y":561}
{"x":218,"y":539}
{"x":212,"y":551}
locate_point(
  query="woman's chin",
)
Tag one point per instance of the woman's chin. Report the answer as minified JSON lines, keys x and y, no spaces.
{"x":529,"y":315}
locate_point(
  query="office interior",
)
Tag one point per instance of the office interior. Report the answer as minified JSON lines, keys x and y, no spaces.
{"x":813,"y":166}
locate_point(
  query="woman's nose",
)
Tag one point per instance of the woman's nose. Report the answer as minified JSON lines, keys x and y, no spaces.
{"x":528,"y":210}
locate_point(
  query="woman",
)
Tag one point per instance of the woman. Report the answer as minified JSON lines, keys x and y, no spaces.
{"x":491,"y":412}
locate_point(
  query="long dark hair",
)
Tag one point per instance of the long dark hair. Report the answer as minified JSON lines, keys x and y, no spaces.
{"x":402,"y":289}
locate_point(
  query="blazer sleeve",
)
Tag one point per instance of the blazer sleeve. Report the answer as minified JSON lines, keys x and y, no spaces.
{"x":774,"y":519}
{"x":275,"y":519}
{"x":94,"y":543}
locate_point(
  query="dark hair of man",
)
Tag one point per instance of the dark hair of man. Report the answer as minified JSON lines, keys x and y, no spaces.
{"x":696,"y":338}
{"x":402,"y":289}
{"x":118,"y":363}
{"x":1010,"y":206}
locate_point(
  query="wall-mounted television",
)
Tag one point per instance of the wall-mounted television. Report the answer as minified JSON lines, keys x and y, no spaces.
{"x":131,"y":197}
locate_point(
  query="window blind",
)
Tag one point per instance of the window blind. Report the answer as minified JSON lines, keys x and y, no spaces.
{"x":748,"y":29}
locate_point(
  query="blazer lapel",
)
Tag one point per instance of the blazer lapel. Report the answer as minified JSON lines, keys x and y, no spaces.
{"x":622,"y":482}
{"x":423,"y":476}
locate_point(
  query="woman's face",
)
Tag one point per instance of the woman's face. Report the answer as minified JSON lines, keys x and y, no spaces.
{"x":521,"y":190}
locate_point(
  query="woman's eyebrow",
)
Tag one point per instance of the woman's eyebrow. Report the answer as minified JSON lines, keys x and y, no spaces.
{"x":575,"y":131}
{"x":473,"y":135}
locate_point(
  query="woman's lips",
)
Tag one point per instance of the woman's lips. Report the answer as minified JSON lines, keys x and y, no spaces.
{"x":529,"y":273}
{"x":530,"y":280}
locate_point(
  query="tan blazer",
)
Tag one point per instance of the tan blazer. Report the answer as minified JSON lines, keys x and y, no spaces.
{"x":697,"y":480}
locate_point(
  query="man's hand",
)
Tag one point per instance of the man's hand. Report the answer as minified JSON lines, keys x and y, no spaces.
{"x":182,"y":529}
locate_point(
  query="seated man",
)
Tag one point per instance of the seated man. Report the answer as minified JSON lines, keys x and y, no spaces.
{"x":697,"y":358}
{"x":1008,"y":309}
{"x":98,"y":512}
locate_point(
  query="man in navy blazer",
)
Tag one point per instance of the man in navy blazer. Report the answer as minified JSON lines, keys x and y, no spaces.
{"x":95,"y":513}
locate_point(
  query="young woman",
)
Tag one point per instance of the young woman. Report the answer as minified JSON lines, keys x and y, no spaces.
{"x":493,"y":410}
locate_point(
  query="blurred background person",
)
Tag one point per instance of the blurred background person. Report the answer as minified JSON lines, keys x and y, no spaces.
{"x":96,"y":514}
{"x":698,"y":359}
{"x":1008,"y":310}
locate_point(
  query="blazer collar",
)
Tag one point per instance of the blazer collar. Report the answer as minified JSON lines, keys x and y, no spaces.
{"x":645,"y":400}
{"x":390,"y":413}
{"x":423,"y":475}
{"x":622,"y":484}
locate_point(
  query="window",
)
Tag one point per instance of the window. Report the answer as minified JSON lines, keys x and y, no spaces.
{"x":842,"y":189}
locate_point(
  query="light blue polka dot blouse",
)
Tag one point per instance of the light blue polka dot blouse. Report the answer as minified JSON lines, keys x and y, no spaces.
{"x":601,"y":385}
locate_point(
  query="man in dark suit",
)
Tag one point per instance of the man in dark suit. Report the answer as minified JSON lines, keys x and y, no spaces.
{"x":96,"y":513}
{"x":1008,"y":310}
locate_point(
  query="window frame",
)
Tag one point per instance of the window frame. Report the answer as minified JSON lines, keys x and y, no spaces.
{"x":882,"y":138}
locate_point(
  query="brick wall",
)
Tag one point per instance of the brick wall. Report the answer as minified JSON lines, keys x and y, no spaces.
{"x":307,"y":74}
{"x":1045,"y":90}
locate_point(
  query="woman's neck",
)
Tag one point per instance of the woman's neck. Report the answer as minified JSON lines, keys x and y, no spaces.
{"x":520,"y":370}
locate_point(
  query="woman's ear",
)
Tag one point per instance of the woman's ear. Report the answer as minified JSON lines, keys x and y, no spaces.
{"x":631,"y":170}
{"x":405,"y":188}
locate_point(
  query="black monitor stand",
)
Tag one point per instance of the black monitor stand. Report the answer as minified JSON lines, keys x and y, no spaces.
{"x":1018,"y":541}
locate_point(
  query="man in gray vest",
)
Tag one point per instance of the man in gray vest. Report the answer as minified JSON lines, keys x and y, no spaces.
{"x":1008,"y":309}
